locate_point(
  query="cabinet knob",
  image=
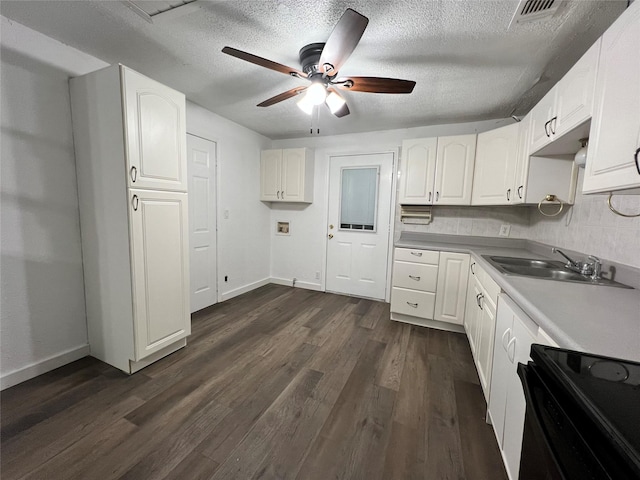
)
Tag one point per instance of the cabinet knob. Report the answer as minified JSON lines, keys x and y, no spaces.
{"x":414,"y":277}
{"x":414,"y":305}
{"x":417,"y":254}
{"x":134,"y":174}
{"x":546,"y":128}
{"x":520,"y":191}
{"x":508,"y":194}
{"x":134,"y":203}
{"x":472,"y":271}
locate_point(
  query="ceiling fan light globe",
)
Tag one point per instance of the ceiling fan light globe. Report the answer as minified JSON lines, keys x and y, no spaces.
{"x":316,"y":93}
{"x":335,"y":102}
{"x":305,"y":105}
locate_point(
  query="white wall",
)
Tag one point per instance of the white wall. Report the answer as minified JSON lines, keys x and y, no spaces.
{"x":302,"y":254}
{"x":243,"y":238}
{"x":591,"y":228}
{"x":42,"y":312}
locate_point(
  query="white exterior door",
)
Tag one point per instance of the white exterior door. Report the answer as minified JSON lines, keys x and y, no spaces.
{"x":201,"y":165}
{"x":155,"y":140}
{"x":358,"y":230}
{"x":160,"y":263}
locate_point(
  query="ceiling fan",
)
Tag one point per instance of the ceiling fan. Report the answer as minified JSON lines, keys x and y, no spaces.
{"x":320,"y":64}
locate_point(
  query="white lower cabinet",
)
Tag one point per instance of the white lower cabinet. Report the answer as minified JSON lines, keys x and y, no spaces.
{"x":429,"y":288}
{"x":160,"y":259}
{"x":514,"y":334}
{"x":480,"y":321}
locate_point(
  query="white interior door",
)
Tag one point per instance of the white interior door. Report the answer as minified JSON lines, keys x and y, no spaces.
{"x":358,"y":230}
{"x":201,"y":166}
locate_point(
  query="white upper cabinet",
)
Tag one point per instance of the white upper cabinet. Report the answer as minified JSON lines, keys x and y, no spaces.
{"x":568,"y":104}
{"x":495,"y":166}
{"x":613,"y":161}
{"x":454,"y":169}
{"x":418,"y":171}
{"x":437,"y":171}
{"x":519,"y":190}
{"x":286,"y":175}
{"x":155,"y":141}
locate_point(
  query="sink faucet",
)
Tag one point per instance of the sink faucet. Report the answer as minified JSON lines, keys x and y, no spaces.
{"x":584,"y":268}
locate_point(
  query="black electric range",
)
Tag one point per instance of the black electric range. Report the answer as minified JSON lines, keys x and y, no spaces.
{"x":583,"y":416}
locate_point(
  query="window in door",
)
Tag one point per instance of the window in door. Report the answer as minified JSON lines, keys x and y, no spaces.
{"x":359,"y":198}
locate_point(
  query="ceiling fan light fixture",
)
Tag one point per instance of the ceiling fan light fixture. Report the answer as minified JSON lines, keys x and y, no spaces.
{"x":305,"y":105}
{"x":335,"y":102}
{"x":316,"y":93}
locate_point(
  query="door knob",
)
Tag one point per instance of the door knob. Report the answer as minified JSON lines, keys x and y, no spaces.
{"x":330,"y":236}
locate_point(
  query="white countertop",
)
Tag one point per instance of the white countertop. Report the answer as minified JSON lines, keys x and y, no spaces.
{"x":596,"y":319}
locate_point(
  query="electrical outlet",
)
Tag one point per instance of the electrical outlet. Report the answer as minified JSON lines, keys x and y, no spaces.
{"x":317,"y":275}
{"x":505,"y":230}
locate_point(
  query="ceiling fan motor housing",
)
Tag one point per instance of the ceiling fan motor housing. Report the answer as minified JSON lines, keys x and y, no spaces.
{"x":309,"y":58}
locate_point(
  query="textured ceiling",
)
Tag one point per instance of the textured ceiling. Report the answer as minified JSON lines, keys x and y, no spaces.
{"x":468,"y":64}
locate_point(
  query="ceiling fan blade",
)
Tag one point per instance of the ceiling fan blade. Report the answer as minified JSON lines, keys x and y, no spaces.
{"x":282,"y":96}
{"x":376,"y":85}
{"x":342,"y":41}
{"x":263,"y":62}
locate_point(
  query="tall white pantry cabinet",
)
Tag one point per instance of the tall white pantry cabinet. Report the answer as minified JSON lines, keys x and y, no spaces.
{"x":130,"y":142}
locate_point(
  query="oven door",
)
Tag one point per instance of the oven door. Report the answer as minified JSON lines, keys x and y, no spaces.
{"x":553,"y":447}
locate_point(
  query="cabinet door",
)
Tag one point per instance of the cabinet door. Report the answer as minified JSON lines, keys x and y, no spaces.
{"x":495,"y":166}
{"x":160,"y":259}
{"x":417,"y":171}
{"x":471,"y":307}
{"x":270,"y":174}
{"x":455,"y":160}
{"x":474,"y":318}
{"x":615,"y":129}
{"x":541,"y":115}
{"x":525,"y":333}
{"x":502,"y":367}
{"x":519,"y":192}
{"x":292,"y":174}
{"x":156,"y":138}
{"x":451,"y":290}
{"x":484,"y":351}
{"x":574,"y":100}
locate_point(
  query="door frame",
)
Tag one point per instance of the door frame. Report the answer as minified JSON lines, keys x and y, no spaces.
{"x":395,"y":152}
{"x":212,"y":139}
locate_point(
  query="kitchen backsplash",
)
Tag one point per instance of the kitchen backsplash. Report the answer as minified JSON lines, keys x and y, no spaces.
{"x":588,"y":226}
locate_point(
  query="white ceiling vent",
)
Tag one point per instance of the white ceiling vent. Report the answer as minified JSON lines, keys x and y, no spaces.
{"x":533,"y":10}
{"x":155,"y":11}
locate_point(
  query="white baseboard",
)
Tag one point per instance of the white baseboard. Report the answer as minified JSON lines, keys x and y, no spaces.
{"x":31,"y":371}
{"x":244,"y":289}
{"x":289,"y":282}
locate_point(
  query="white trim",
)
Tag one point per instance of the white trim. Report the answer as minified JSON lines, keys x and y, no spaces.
{"x":289,"y":282}
{"x":155,"y":356}
{"x":425,"y":322}
{"x":43,"y":366}
{"x":244,"y":289}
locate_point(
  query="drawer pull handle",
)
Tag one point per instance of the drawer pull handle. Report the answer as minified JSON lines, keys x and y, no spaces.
{"x":413,"y":277}
{"x":479,"y":298}
{"x":472,"y":271}
{"x":417,"y":254}
{"x":414,"y":305}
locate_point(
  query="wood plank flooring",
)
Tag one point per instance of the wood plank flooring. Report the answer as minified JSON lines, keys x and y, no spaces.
{"x":279,"y":383}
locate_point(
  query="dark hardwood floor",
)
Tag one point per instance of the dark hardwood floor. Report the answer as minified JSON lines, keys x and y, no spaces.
{"x":277,"y":383}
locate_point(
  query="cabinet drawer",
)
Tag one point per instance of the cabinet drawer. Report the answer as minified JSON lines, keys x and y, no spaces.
{"x":417,"y":255}
{"x":416,"y":276}
{"x":412,"y":302}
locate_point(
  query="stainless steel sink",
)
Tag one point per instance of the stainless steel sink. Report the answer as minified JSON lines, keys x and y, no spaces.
{"x":525,"y":262}
{"x":545,"y":269}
